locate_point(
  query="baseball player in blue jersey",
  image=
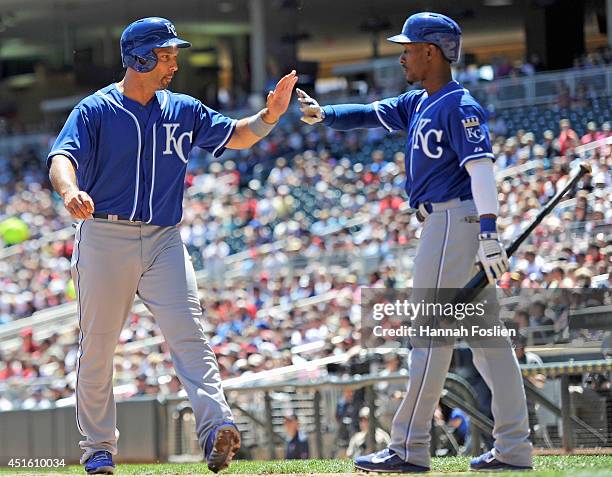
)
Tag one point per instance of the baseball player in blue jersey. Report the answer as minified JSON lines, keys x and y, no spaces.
{"x":450,"y":183}
{"x":119,"y":164}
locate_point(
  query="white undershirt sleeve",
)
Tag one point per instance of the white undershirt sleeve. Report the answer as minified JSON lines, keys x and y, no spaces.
{"x":484,"y":188}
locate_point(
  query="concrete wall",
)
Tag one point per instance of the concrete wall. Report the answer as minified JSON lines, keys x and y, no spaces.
{"x":52,"y":433}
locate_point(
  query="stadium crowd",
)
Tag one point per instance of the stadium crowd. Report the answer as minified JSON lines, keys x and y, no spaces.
{"x":309,"y":199}
{"x":308,"y":213}
{"x":504,"y":67}
{"x":342,"y":225}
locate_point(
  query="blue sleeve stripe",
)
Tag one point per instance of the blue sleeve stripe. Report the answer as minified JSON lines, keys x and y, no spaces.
{"x":482,"y":155}
{"x":225,"y":141}
{"x":63,"y":153}
{"x":382,"y":121}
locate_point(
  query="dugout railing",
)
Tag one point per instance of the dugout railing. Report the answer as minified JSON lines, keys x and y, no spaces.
{"x":575,"y":426}
{"x":163,"y":429}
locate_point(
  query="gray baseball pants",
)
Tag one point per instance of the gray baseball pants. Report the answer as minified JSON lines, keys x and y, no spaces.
{"x":111,"y":263}
{"x":445,"y":259}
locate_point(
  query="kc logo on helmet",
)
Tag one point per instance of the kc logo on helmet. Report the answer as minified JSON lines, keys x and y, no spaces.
{"x":171,"y":28}
{"x":473,"y":131}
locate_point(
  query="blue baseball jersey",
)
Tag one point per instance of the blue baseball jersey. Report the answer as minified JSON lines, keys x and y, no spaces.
{"x":445,"y":131}
{"x":132,"y":159}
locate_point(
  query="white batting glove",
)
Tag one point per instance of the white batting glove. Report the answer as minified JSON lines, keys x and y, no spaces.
{"x":312,"y":112}
{"x":492,"y":255}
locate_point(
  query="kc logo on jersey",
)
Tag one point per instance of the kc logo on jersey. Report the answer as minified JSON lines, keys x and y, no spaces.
{"x":473,"y":131}
{"x":421,"y":139}
{"x":174,"y":142}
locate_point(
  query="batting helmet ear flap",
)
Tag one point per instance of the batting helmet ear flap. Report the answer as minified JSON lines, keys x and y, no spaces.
{"x":141,"y":63}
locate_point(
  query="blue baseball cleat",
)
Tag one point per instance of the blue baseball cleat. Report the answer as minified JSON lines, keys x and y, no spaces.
{"x":222,"y":444}
{"x":488,"y":463}
{"x":101,"y":462}
{"x":387,"y":461}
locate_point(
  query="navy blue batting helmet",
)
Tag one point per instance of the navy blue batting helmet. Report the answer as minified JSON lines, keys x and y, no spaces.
{"x":434,"y":28}
{"x":139,"y":39}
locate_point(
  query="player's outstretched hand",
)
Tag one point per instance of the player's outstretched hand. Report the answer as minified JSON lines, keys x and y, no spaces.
{"x":312,"y":113}
{"x":277,"y":101}
{"x":78,"y":204}
{"x":492,"y":255}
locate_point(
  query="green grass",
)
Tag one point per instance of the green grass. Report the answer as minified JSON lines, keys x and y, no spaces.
{"x":545,"y":466}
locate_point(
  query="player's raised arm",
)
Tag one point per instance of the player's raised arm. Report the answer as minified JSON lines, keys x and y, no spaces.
{"x":389,"y":113}
{"x":252,"y":129}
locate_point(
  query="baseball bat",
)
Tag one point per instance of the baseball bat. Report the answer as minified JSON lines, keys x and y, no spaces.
{"x":479,"y":281}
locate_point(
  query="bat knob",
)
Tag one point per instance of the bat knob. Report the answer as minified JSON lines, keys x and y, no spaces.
{"x":585,"y":167}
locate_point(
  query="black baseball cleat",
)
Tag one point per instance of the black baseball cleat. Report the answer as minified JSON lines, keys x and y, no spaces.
{"x":488,"y":463}
{"x":387,"y":461}
{"x":222,"y":444}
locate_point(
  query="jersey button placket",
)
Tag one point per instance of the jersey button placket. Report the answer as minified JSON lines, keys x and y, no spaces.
{"x":145,"y":171}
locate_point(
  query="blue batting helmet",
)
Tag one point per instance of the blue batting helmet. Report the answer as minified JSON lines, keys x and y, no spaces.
{"x":434,"y":28}
{"x":139,"y":39}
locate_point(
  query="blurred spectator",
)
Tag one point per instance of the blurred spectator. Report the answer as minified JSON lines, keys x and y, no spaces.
{"x":497,"y":125}
{"x":38,"y":400}
{"x":358,"y":445}
{"x":538,"y":318}
{"x":5,"y":403}
{"x":297,"y":442}
{"x":28,"y":344}
{"x":567,"y":136}
{"x":460,"y":422}
{"x":564,"y":98}
{"x":504,"y":68}
{"x":347,"y":417}
{"x":592,"y":133}
{"x":523,"y":356}
{"x":455,"y":425}
{"x":390,"y":393}
{"x":141,"y":385}
{"x":551,"y":148}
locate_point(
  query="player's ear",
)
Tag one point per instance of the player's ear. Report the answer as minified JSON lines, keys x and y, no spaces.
{"x":429,"y":51}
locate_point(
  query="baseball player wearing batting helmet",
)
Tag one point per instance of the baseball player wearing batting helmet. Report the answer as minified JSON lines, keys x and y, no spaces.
{"x":451,"y":185}
{"x":119,"y":165}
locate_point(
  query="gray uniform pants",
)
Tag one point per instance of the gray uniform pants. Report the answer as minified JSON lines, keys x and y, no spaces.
{"x":111,"y":263}
{"x":445,"y":259}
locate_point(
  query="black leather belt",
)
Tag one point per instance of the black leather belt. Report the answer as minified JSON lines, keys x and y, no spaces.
{"x":111,"y":217}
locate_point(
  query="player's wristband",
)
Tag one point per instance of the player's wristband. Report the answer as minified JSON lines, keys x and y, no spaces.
{"x":488,"y":225}
{"x":258,"y":126}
